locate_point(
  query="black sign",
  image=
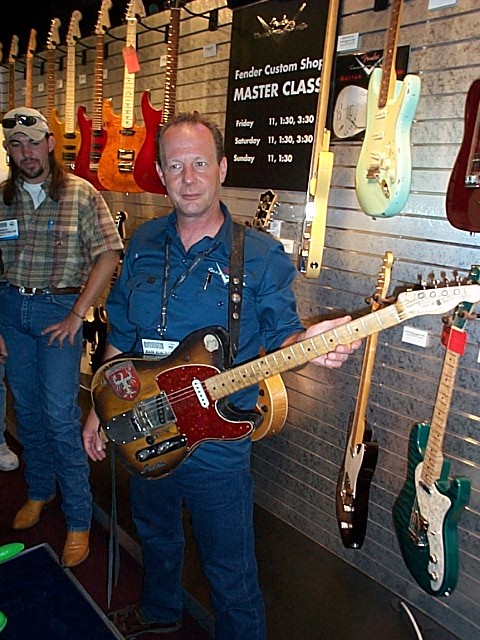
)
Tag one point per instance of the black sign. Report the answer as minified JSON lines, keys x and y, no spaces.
{"x":274,"y":79}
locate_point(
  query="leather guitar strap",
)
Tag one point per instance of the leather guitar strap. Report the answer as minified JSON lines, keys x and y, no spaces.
{"x":235,"y":292}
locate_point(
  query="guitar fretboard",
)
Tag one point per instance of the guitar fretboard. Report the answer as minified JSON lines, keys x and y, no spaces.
{"x":389,"y":76}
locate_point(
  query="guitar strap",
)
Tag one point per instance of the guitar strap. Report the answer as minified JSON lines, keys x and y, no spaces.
{"x":235,"y":292}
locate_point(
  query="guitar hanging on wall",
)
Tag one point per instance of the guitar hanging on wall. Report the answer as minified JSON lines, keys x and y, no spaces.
{"x":361,"y":453}
{"x":67,"y":136}
{"x":12,"y":59}
{"x":144,"y":171}
{"x":427,"y":510}
{"x":93,"y":136}
{"x":52,"y":42}
{"x":156,"y":412}
{"x":31,"y":47}
{"x":124,"y":137}
{"x":463,"y":193}
{"x":384,"y":167}
{"x":3,"y":156}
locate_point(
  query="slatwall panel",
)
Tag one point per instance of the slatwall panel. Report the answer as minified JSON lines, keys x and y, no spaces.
{"x":296,"y":471}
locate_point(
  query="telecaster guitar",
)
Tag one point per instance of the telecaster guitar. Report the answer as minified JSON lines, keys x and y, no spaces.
{"x":144,"y":171}
{"x":66,"y":134}
{"x":428,"y":508}
{"x":361,"y":453}
{"x":156,"y":412}
{"x":124,"y":137}
{"x":463,"y":193}
{"x":384,"y":166}
{"x":93,"y":136}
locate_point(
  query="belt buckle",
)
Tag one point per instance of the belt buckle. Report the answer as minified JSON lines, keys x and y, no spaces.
{"x":24,"y":291}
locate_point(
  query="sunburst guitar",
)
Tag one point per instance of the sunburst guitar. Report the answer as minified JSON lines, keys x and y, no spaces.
{"x":384,"y":167}
{"x":428,"y":508}
{"x":157,"y":412}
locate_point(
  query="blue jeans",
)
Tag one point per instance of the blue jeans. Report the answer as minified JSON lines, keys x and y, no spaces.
{"x":220,"y":504}
{"x":45,"y":381}
{"x":3,"y":403}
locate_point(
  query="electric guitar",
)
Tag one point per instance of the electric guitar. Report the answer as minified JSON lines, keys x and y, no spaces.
{"x":124,"y":137}
{"x":156,"y":412}
{"x":463,"y":193}
{"x":428,"y":508}
{"x":12,"y":58}
{"x":93,"y":136}
{"x":67,"y":136}
{"x":31,"y":47}
{"x":361,"y":453}
{"x":384,"y":167}
{"x":52,"y":42}
{"x":144,"y":171}
{"x":95,"y":326}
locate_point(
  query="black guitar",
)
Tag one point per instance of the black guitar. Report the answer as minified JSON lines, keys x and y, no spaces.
{"x":95,"y":326}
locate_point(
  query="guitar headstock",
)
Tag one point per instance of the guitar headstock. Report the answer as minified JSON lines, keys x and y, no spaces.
{"x":383,"y":282}
{"x":435,"y":301}
{"x":32,"y":44}
{"x":103,"y":22}
{"x":13,"y":50}
{"x":74,"y":28}
{"x":120,"y":220}
{"x":135,"y":8}
{"x":266,"y":206}
{"x":53,"y":36}
{"x":463,"y":311}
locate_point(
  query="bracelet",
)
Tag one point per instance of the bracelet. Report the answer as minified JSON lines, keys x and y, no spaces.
{"x":76,"y":314}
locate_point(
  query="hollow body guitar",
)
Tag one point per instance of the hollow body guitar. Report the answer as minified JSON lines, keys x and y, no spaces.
{"x":156,"y":412}
{"x":361,"y":453}
{"x":429,"y":506}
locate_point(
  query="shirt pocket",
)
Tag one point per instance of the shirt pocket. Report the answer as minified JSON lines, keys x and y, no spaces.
{"x":144,"y":300}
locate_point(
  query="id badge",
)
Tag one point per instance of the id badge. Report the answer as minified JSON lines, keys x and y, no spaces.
{"x":160,"y":348}
{"x":9,"y":230}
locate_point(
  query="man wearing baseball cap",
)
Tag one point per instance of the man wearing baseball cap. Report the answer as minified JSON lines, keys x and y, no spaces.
{"x":59,"y":248}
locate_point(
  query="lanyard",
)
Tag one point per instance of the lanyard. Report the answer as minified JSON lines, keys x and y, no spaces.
{"x":166,"y":293}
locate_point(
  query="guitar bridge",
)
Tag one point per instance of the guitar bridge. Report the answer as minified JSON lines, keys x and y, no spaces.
{"x":148,"y":415}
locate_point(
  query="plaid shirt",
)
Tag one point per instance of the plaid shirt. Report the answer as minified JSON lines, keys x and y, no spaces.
{"x":59,"y":241}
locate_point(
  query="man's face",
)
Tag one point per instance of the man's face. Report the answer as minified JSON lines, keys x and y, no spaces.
{"x":30,"y":157}
{"x":190,"y":170}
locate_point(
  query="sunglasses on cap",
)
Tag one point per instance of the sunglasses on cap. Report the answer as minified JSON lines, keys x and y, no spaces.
{"x":26,"y":121}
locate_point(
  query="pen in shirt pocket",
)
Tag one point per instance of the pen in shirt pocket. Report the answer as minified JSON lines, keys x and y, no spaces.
{"x":207,"y":280}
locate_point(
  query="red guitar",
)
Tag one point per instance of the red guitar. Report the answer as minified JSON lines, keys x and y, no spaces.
{"x":463,"y":194}
{"x":124,"y":137}
{"x":145,"y":172}
{"x":93,"y":136}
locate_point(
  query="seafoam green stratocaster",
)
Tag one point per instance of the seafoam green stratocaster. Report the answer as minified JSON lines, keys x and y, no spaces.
{"x":383,"y":173}
{"x":428,"y":508}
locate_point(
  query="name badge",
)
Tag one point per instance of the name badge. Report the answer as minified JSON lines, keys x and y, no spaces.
{"x":9,"y":230}
{"x":158,"y":347}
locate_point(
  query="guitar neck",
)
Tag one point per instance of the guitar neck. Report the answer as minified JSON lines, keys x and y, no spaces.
{"x":359,"y":419}
{"x":172,"y":65}
{"x":50,"y":82}
{"x":70,"y":91}
{"x":128,"y":100}
{"x":11,"y":85}
{"x":97,"y":118}
{"x":29,"y":83}
{"x":389,"y":76}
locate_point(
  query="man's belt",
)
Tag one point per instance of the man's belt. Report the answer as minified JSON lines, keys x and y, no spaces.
{"x":31,"y":291}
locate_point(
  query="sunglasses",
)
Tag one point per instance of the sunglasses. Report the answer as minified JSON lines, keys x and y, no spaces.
{"x":26,"y":121}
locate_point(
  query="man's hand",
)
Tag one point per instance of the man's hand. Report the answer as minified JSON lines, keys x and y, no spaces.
{"x":67,"y":328}
{"x":93,"y":441}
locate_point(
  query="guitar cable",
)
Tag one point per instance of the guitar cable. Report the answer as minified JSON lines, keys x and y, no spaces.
{"x":412,"y":619}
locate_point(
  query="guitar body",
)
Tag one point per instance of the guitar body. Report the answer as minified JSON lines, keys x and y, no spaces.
{"x":426,"y":518}
{"x":383,"y":172}
{"x":144,"y":171}
{"x":463,"y":193}
{"x":115,"y":169}
{"x":66,"y":144}
{"x":353,"y":489}
{"x":272,"y":403}
{"x":154,"y":410}
{"x":92,"y":144}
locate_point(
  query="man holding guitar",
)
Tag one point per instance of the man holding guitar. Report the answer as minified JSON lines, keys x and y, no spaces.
{"x":59,"y":248}
{"x":175,"y":281}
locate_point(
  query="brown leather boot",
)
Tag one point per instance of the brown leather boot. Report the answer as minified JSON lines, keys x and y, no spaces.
{"x":76,"y":548}
{"x":29,"y":514}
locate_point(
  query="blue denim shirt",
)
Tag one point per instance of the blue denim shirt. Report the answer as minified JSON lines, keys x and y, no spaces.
{"x":268,"y":316}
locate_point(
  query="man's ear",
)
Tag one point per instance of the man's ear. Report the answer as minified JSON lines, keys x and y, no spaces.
{"x":51,"y":142}
{"x":160,"y":172}
{"x":223,"y":169}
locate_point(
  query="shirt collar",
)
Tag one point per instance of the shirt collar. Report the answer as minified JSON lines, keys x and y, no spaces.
{"x":224,"y":235}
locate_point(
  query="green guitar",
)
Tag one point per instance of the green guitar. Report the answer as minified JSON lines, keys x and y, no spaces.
{"x":428,"y":508}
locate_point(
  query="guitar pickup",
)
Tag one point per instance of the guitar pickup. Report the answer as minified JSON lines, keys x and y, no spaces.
{"x":160,"y":449}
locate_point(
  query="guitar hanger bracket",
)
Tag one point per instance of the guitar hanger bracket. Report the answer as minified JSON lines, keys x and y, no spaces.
{"x":211,"y":16}
{"x":163,"y":29}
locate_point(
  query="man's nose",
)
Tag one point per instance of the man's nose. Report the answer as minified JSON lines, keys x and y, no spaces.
{"x":188,"y":174}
